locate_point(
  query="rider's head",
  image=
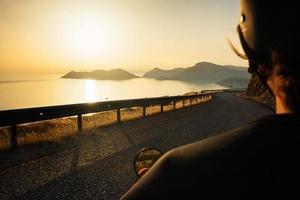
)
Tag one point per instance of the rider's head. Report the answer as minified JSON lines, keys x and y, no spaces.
{"x":270,"y":39}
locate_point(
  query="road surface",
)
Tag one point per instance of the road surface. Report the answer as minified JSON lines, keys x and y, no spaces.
{"x":100,"y":166}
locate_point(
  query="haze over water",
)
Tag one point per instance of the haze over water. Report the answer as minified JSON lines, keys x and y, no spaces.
{"x":35,"y":90}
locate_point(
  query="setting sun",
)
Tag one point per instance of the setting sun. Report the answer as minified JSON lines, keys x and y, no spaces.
{"x":136,"y":35}
{"x":89,"y":39}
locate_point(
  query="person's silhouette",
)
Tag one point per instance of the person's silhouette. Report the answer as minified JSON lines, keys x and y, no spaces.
{"x":260,"y":159}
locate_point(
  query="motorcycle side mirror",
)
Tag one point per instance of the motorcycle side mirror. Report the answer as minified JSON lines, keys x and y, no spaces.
{"x":145,"y":159}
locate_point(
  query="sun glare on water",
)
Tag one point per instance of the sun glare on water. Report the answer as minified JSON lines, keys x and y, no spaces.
{"x":90,"y":90}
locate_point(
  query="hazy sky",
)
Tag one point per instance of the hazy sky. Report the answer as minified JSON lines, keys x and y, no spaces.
{"x":59,"y":35}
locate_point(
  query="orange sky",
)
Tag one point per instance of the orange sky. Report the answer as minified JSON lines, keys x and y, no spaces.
{"x":59,"y":35}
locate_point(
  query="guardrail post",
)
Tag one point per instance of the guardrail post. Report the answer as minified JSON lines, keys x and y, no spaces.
{"x":161,"y":108}
{"x":174,"y":105}
{"x":190,"y":101}
{"x":14,"y":137}
{"x":183,"y":103}
{"x":79,"y":122}
{"x":118,"y":115}
{"x":144,"y":111}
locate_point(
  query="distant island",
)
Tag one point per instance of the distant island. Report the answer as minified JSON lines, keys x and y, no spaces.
{"x":203,"y":72}
{"x":114,"y":74}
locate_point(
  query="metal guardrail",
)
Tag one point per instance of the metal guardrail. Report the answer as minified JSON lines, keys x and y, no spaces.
{"x":224,"y":90}
{"x":15,"y":117}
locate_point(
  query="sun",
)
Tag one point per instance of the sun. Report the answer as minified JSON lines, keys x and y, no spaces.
{"x":90,"y":39}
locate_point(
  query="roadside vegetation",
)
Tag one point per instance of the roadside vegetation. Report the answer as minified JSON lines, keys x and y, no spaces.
{"x":57,"y":130}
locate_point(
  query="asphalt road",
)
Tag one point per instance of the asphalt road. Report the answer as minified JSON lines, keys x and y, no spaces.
{"x":100,"y":166}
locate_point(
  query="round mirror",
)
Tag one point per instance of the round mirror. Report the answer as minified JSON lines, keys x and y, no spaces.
{"x":145,"y":159}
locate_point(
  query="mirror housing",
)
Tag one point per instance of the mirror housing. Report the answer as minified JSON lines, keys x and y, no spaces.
{"x":145,"y":159}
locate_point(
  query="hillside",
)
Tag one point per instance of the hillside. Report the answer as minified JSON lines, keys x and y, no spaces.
{"x":114,"y":74}
{"x":257,"y":92}
{"x":243,"y":69}
{"x":157,"y":73}
{"x":201,"y":72}
{"x":234,"y":82}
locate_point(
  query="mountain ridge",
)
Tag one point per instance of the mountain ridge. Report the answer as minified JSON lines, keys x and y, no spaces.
{"x":200,"y":72}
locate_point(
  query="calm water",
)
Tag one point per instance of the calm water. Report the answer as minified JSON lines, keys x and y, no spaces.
{"x":35,"y":90}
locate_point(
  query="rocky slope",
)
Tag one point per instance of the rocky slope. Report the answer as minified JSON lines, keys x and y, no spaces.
{"x":258,"y":92}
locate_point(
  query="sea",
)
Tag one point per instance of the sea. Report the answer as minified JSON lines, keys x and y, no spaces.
{"x":20,"y":90}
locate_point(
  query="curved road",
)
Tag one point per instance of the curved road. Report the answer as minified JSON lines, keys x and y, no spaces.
{"x":99,"y":166}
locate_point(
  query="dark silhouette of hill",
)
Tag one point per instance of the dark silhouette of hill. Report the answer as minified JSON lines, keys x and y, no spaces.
{"x":157,"y":73}
{"x":234,"y":82}
{"x":114,"y":74}
{"x":243,"y":69}
{"x":201,"y":72}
